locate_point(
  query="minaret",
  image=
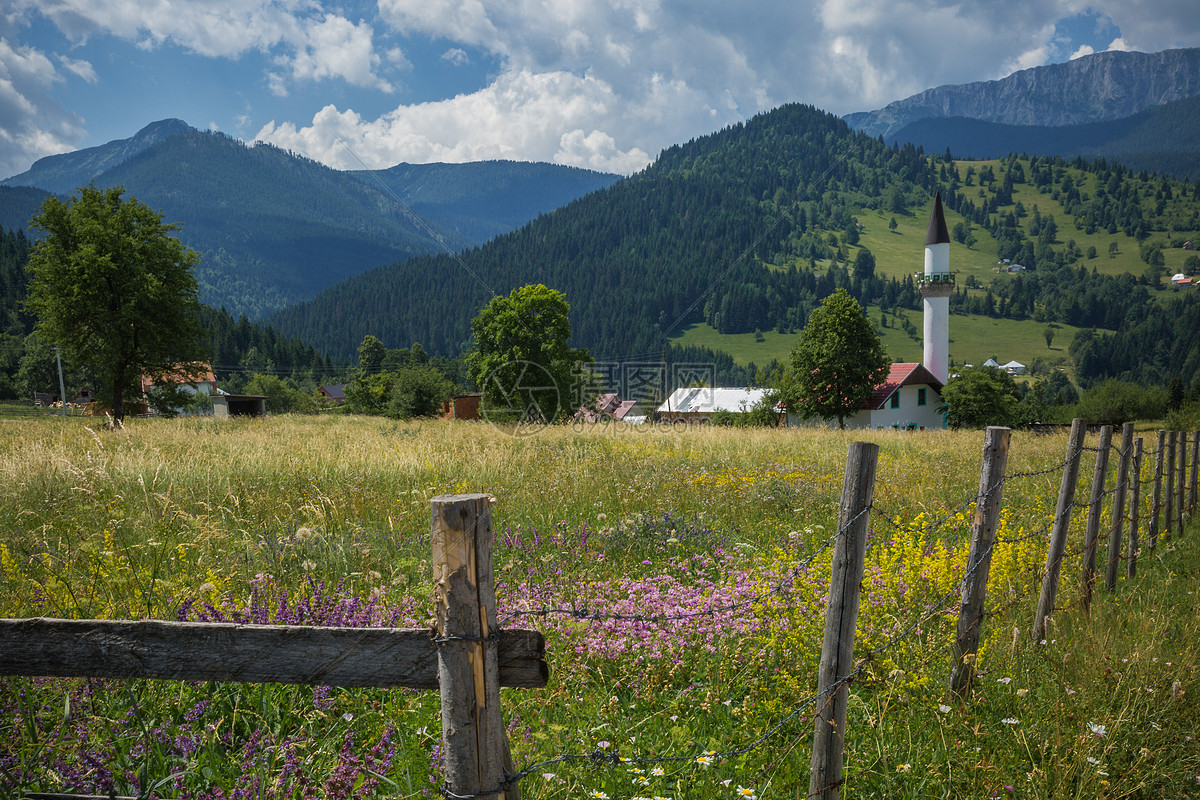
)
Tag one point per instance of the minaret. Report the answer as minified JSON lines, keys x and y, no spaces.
{"x":937,"y":284}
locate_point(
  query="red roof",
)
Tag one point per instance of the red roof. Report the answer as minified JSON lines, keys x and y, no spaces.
{"x":905,"y":374}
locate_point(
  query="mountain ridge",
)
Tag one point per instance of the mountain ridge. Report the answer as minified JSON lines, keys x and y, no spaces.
{"x":1094,"y":88}
{"x":274,"y":228}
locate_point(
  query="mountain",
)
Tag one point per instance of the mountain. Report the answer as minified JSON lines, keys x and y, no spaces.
{"x":64,"y":173}
{"x":1095,"y":88}
{"x":1162,"y":139}
{"x":274,"y":228}
{"x":681,"y":242}
{"x":483,"y":199}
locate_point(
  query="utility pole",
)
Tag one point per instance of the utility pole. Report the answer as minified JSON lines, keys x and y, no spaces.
{"x":62,"y":392}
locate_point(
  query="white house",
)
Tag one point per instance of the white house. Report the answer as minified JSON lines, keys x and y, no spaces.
{"x":909,"y":399}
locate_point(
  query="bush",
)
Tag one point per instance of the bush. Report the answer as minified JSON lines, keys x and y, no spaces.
{"x":1115,"y":403}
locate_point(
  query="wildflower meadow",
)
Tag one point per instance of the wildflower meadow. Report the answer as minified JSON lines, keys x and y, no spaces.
{"x":679,"y":576}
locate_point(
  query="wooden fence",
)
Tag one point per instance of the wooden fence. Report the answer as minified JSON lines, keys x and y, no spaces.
{"x":468,"y":658}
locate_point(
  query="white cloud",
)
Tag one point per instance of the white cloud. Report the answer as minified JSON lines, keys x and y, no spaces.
{"x":521,"y":116}
{"x":308,"y":44}
{"x":337,"y":48}
{"x":1084,"y":50}
{"x":32,"y":123}
{"x":1119,"y":44}
{"x":456,"y":56}
{"x":80,"y":67}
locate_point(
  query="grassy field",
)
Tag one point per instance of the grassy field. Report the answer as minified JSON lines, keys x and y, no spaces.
{"x":973,"y":340}
{"x":718,"y":533}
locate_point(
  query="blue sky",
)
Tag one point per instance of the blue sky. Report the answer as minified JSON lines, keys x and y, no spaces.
{"x":603,"y":84}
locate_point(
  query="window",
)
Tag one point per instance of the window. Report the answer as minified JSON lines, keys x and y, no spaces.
{"x":896,"y":400}
{"x":920,"y":397}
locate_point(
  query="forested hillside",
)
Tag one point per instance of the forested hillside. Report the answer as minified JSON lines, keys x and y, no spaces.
{"x":749,"y":228}
{"x":653,"y":251}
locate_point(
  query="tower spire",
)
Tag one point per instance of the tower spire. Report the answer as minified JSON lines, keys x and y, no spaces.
{"x":937,"y":232}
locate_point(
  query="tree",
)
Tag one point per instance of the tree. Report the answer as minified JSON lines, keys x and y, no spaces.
{"x":111,"y":286}
{"x":1048,"y":334}
{"x":864,"y":265}
{"x":981,"y":396}
{"x":521,"y":360}
{"x":837,"y":361}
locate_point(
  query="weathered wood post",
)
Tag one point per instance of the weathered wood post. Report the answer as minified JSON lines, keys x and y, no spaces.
{"x":478,"y":761}
{"x":1118,"y":509}
{"x":1156,"y":500}
{"x":1180,"y":481}
{"x":979,"y":560}
{"x":1195,"y":459}
{"x":1135,"y":501}
{"x":1058,"y":533}
{"x":1169,"y":527}
{"x":1095,"y":506}
{"x":841,"y":617}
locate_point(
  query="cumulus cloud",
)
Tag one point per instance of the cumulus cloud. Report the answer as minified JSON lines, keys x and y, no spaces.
{"x":608,"y":83}
{"x":32,"y":123}
{"x":522,"y":113}
{"x":308,"y":44}
{"x":1084,"y":50}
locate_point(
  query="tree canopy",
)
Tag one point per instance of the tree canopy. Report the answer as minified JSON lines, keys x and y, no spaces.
{"x":837,"y":361}
{"x":981,"y":396}
{"x":111,"y":286}
{"x":521,"y":360}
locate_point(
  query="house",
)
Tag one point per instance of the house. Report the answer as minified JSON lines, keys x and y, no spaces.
{"x":629,"y":412}
{"x":84,"y":396}
{"x":908,"y":399}
{"x":696,"y":405}
{"x":610,"y":406}
{"x":192,"y":379}
{"x":1179,"y":279}
{"x":334,"y":393}
{"x":462,"y":406}
{"x":1014,"y":368}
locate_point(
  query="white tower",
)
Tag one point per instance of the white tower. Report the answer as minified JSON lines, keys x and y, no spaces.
{"x":937,"y":284}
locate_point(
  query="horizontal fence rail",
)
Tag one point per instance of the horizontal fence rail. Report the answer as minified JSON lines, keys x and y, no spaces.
{"x":383,"y":658}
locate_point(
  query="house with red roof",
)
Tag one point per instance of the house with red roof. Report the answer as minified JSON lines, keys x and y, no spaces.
{"x":909,"y":399}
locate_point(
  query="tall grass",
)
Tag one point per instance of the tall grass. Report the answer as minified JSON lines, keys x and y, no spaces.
{"x":325,"y":521}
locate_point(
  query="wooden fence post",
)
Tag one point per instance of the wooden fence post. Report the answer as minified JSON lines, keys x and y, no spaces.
{"x":1169,"y":527}
{"x":1180,"y":481}
{"x":1095,"y":505}
{"x":1195,"y":459}
{"x":478,"y":761}
{"x":841,"y":617}
{"x":1156,"y":500}
{"x":1134,"y":508}
{"x":1118,"y":509}
{"x":979,"y":561}
{"x":1058,"y":534}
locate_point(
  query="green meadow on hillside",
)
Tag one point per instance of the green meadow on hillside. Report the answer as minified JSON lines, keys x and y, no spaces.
{"x":973,"y":340}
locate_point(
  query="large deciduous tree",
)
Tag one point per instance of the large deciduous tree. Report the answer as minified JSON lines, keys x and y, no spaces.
{"x":522,"y":361}
{"x":111,"y":286}
{"x":837,"y":361}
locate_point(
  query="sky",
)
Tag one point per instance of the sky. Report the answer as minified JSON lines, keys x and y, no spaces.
{"x":601,"y":84}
